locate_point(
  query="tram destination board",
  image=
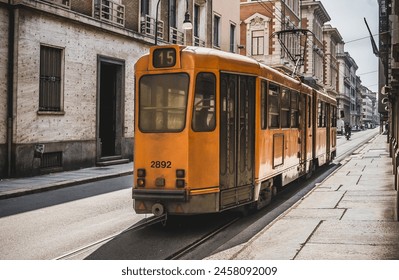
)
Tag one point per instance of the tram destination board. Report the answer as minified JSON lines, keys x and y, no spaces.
{"x":164,"y":58}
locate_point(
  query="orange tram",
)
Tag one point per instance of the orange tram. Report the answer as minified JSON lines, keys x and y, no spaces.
{"x":216,"y":130}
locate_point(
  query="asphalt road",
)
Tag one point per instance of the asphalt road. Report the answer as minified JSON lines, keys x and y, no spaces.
{"x":49,"y":224}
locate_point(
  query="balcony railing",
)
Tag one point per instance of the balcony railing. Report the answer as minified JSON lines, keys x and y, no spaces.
{"x":110,"y":11}
{"x":148,"y":26}
{"x":176,"y":36}
{"x":198,"y":42}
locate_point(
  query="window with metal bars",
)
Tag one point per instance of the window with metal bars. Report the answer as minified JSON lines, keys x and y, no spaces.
{"x":51,"y":160}
{"x":66,"y":3}
{"x":50,"y":79}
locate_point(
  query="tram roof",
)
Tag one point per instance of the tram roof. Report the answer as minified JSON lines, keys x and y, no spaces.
{"x":224,"y":58}
{"x":236,"y":63}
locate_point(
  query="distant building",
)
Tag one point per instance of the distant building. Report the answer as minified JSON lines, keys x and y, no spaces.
{"x":226,"y":25}
{"x":346,"y":98}
{"x":314,"y":16}
{"x":259,"y":22}
{"x":367,"y":114}
{"x":370,"y":99}
{"x":331,"y":39}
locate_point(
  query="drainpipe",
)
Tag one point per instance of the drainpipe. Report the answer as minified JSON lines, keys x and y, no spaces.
{"x":10,"y":86}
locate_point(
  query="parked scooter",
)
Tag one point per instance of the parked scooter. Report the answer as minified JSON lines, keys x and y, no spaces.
{"x":348,"y":131}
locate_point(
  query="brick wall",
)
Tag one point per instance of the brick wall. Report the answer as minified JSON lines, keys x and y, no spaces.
{"x":82,"y":6}
{"x":132,"y":14}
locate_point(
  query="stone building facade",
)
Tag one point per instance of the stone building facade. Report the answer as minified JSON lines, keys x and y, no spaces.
{"x":388,"y":97}
{"x":67,"y":77}
{"x":347,"y":84}
{"x":326,"y":65}
{"x":259,"y":22}
{"x":314,"y":16}
{"x":331,"y":39}
{"x":226,"y":25}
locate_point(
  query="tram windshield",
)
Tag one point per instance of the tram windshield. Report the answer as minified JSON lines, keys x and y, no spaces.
{"x":163,"y":102}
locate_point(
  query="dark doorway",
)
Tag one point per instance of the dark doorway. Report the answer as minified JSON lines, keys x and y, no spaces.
{"x":110,"y":109}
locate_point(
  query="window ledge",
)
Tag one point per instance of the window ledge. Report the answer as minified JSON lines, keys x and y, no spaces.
{"x":52,"y":113}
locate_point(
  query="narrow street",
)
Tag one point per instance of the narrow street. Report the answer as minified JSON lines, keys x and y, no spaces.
{"x":50,"y":224}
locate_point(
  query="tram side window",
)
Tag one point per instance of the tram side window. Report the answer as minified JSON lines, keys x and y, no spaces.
{"x":274,"y":106}
{"x":321,"y":114}
{"x":334,"y":117}
{"x":285,"y":108}
{"x":263,"y":108}
{"x":204,"y":103}
{"x":309,"y":105}
{"x":294,"y":109}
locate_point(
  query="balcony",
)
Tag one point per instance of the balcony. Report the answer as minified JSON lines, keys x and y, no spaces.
{"x":198,"y":42}
{"x":176,"y":36}
{"x":148,"y":26}
{"x":109,"y":11}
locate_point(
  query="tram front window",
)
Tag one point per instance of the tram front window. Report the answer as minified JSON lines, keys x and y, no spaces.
{"x":163,"y":102}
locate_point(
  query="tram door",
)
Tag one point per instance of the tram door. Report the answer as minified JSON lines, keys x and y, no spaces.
{"x":237,"y":136}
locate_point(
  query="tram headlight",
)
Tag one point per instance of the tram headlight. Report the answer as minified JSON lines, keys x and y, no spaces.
{"x":141,"y":182}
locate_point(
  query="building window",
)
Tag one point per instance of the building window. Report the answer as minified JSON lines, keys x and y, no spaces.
{"x":216,"y":31}
{"x":66,"y":3}
{"x":196,"y":20}
{"x":145,"y":7}
{"x":51,"y":160}
{"x":172,"y":14}
{"x":50,"y":79}
{"x":232,"y":37}
{"x":175,"y":35}
{"x":258,"y":42}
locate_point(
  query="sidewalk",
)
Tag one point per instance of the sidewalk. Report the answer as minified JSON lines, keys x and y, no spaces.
{"x":22,"y":186}
{"x":350,"y":215}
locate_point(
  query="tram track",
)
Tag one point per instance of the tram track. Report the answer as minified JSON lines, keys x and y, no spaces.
{"x":140,"y":225}
{"x":180,"y":253}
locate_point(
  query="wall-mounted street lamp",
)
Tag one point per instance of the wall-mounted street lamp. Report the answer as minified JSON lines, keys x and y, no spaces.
{"x":186,"y":23}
